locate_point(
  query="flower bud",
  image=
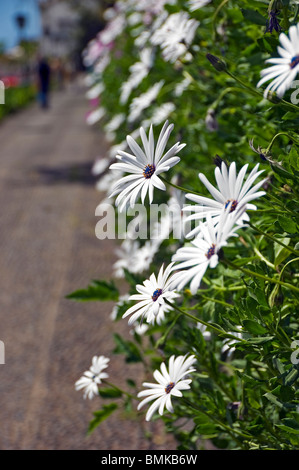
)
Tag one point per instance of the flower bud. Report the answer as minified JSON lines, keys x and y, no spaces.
{"x":217,"y":63}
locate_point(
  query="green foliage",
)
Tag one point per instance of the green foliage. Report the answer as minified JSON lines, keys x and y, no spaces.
{"x":16,"y":98}
{"x":244,"y":393}
{"x":100,"y":416}
{"x":96,"y":291}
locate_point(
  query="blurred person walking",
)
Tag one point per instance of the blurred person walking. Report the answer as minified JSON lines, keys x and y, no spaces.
{"x":44,"y":78}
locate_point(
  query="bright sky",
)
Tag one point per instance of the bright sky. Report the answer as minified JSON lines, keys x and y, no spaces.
{"x":9,"y":9}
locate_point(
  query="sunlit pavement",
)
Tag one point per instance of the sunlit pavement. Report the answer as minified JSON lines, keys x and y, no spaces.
{"x":49,"y":249}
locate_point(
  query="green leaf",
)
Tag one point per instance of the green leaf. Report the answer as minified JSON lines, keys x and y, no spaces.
{"x":253,"y":16}
{"x":273,"y":295}
{"x":280,"y":252}
{"x":110,"y":393}
{"x":287,"y":224}
{"x":262,"y":340}
{"x":289,"y":116}
{"x":284,"y":393}
{"x":273,"y":399}
{"x":100,"y":416}
{"x":131,"y":383}
{"x":254,"y":327}
{"x":204,"y":425}
{"x":292,"y":376}
{"x":292,"y":427}
{"x":283,"y":173}
{"x":97,"y":291}
{"x":267,"y":44}
{"x":244,"y":261}
{"x":128,"y":348}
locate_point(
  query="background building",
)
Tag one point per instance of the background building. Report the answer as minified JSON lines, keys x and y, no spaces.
{"x":19,"y":20}
{"x":59,"y":25}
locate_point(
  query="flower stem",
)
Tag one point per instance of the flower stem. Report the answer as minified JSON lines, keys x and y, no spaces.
{"x":216,"y":14}
{"x":291,"y":250}
{"x":119,"y":389}
{"x":282,"y":102}
{"x":199,"y":320}
{"x":216,"y":301}
{"x":285,"y":17}
{"x":275,"y":137}
{"x":217,"y":421}
{"x":178,"y":187}
{"x":161,"y":341}
{"x":222,"y":289}
{"x":260,"y":276}
{"x":260,"y":256}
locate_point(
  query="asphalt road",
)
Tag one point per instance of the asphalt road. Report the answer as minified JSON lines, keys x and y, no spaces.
{"x":49,"y":249}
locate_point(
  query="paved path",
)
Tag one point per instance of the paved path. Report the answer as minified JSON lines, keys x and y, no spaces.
{"x":48,"y":249}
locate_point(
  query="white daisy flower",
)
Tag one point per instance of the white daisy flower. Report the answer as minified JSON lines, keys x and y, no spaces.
{"x":228,"y":347}
{"x":170,"y":383}
{"x":182,"y":86}
{"x":144,"y":167}
{"x":195,"y":260}
{"x":122,"y":299}
{"x":203,"y":329}
{"x":94,"y":116}
{"x":100,"y":166}
{"x":93,"y":377}
{"x":95,"y":91}
{"x":175,"y":35}
{"x":231,"y":190}
{"x":285,"y":67}
{"x":172,"y":219}
{"x":132,"y":257}
{"x":197,"y":4}
{"x":144,"y":257}
{"x":142,"y":102}
{"x":152,"y":296}
{"x":160,"y":114}
{"x":102,"y":63}
{"x":125,"y":252}
{"x":107,"y":180}
{"x":113,"y":29}
{"x":114,"y":124}
{"x":92,"y":52}
{"x":138,"y":72}
{"x":139,"y":329}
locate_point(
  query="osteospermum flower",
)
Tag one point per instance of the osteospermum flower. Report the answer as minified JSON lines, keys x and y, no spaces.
{"x":143,"y":167}
{"x":138,"y":72}
{"x":133,"y":257}
{"x":152,"y":296}
{"x":231,"y":190}
{"x":197,"y":4}
{"x":170,"y":383}
{"x":194,"y":260}
{"x":143,"y":101}
{"x":175,"y":35}
{"x":93,"y":377}
{"x":228,"y":347}
{"x":285,"y":67}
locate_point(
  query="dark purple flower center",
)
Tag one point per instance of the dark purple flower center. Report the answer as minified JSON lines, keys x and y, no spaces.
{"x":294,"y":61}
{"x":211,"y":251}
{"x":233,"y":206}
{"x":169,"y":387}
{"x":157,"y":294}
{"x":148,"y":171}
